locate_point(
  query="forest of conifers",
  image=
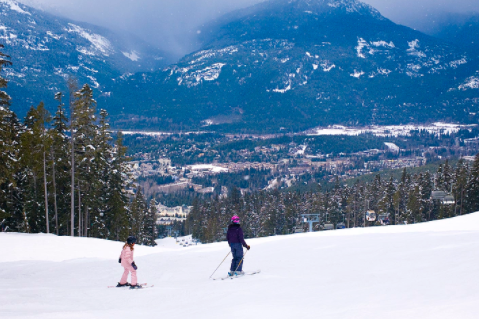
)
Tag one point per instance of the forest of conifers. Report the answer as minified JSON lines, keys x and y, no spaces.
{"x":407,"y":200}
{"x":65,"y":175}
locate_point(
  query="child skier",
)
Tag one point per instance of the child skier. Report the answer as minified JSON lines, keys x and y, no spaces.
{"x":236,"y":241}
{"x":126,"y":260}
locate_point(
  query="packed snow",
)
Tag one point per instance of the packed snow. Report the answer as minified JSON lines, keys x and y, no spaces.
{"x":357,"y":74}
{"x":207,"y":167}
{"x":425,"y":271}
{"x":471,"y":83}
{"x":98,"y":43}
{"x":15,"y":7}
{"x":327,"y":66}
{"x":133,"y":55}
{"x":414,"y":49}
{"x":196,"y":77}
{"x":392,"y":147}
{"x":437,"y":128}
{"x":144,"y":133}
{"x":361,"y":44}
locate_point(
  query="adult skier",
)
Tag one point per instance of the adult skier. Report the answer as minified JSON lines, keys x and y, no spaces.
{"x":236,"y":241}
{"x":126,"y":260}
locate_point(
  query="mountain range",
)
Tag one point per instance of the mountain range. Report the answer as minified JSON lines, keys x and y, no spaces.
{"x":279,"y":65}
{"x":46,"y":49}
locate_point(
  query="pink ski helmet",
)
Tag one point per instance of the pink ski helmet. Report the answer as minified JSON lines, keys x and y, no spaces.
{"x":235,"y":219}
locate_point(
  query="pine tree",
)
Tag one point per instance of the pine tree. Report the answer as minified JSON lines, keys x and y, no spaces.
{"x":472,"y":188}
{"x":138,"y":211}
{"x":101,"y":170}
{"x":85,"y":130}
{"x":118,"y":214}
{"x":4,"y":97}
{"x":72,"y":87}
{"x":33,"y":147}
{"x":60,"y":167}
{"x":426,"y":186}
{"x":11,"y":212}
{"x":150,"y":230}
{"x":386,"y":204}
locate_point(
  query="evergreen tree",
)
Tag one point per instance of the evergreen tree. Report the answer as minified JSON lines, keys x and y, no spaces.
{"x":72,"y":88}
{"x":11,"y":212}
{"x":472,"y":189}
{"x":150,"y":230}
{"x":60,"y":167}
{"x":33,"y":148}
{"x":425,"y":186}
{"x":85,"y":130}
{"x":4,"y":97}
{"x":138,"y":213}
{"x":101,"y":171}
{"x":117,"y":213}
{"x":461,"y":178}
{"x":386,"y":204}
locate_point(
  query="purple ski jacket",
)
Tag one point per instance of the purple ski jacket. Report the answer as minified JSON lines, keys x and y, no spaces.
{"x":235,"y":235}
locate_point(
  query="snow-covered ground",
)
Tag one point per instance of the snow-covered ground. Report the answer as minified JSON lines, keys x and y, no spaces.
{"x":437,"y":128}
{"x":421,"y":271}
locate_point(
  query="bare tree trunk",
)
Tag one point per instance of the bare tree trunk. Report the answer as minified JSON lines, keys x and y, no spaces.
{"x":85,"y":223}
{"x":462,"y":193}
{"x":46,"y":191}
{"x":55,"y":195}
{"x":72,"y":224}
{"x":71,"y":87}
{"x":79,"y":212}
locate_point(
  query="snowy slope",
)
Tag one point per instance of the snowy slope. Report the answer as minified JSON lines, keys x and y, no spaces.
{"x":417,"y":271}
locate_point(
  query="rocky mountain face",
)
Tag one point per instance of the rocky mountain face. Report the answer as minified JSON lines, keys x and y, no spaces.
{"x":45,"y":49}
{"x":295,"y":64}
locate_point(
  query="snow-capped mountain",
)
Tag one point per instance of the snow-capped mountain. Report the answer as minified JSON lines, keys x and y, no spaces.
{"x":299,"y":63}
{"x":45,"y":49}
{"x":295,"y":64}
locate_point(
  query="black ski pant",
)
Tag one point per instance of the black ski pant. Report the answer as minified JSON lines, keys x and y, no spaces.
{"x":237,"y":251}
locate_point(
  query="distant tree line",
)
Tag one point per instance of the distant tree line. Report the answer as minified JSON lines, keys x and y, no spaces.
{"x":65,"y":175}
{"x":404,"y":200}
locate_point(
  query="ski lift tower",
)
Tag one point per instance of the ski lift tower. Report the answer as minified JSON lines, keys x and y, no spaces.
{"x":310,"y":218}
{"x":169,"y":229}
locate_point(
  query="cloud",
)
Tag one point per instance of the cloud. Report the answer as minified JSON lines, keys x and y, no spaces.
{"x":169,"y":24}
{"x":172,"y":24}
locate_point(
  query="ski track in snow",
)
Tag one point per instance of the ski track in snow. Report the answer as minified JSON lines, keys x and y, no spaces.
{"x":425,"y":271}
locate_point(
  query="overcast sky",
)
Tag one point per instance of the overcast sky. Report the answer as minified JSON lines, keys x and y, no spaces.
{"x":170,"y":24}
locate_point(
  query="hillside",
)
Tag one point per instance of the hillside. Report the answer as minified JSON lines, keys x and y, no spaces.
{"x":298,"y":64}
{"x":45,"y":49}
{"x":416,"y":271}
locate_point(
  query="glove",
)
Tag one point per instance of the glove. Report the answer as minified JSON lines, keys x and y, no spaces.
{"x":134,"y":265}
{"x":248,"y":247}
{"x":119,"y":260}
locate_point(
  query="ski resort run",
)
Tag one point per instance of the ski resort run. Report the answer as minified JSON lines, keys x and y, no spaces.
{"x":425,"y":271}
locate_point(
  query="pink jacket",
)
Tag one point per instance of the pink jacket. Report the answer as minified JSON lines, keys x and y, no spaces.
{"x":126,"y":257}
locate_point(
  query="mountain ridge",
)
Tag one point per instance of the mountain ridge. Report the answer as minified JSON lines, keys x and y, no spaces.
{"x":280,"y":65}
{"x":45,"y":49}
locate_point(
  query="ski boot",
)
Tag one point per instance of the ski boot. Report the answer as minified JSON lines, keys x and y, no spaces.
{"x":239,"y":273}
{"x":136,"y":286}
{"x":123,"y":285}
{"x":231,"y":273}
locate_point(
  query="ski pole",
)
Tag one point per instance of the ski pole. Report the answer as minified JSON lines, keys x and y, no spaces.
{"x":241,"y":261}
{"x":220,"y":264}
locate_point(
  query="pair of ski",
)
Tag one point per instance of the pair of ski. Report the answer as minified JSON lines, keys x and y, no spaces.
{"x":143,"y":286}
{"x":249,"y":273}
